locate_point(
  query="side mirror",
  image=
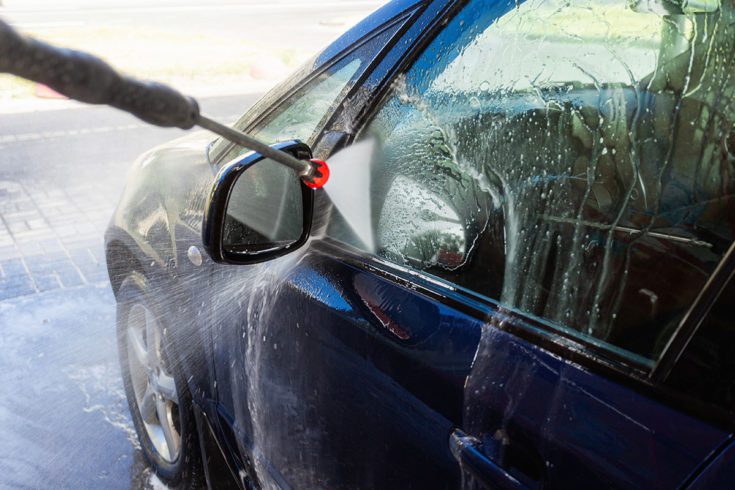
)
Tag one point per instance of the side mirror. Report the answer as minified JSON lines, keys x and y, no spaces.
{"x":258,"y":209}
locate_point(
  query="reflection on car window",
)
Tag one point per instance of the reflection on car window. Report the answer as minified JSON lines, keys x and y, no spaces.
{"x":572,"y":160}
{"x":604,"y":40}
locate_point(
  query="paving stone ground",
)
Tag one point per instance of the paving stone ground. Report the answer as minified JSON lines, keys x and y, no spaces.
{"x":51,"y":237}
{"x":61,"y":174}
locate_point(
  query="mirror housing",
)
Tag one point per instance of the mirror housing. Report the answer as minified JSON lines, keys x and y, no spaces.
{"x":218,"y":214}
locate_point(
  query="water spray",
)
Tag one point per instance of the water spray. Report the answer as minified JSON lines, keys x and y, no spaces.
{"x":86,"y":78}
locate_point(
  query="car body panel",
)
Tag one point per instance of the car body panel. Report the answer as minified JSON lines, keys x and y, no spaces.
{"x":720,"y":473}
{"x":542,"y":415}
{"x":330,"y":368}
{"x":295,"y":358}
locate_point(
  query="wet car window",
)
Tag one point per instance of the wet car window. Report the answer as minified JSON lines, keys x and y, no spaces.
{"x":571,"y":160}
{"x":302,"y":115}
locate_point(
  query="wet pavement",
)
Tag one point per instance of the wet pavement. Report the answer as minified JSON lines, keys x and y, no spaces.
{"x":63,"y":415}
{"x":64,"y":420}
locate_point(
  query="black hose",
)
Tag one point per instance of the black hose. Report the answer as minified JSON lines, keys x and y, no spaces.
{"x":86,"y":78}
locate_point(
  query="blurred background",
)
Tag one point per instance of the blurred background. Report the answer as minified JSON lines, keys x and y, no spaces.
{"x":63,"y":414}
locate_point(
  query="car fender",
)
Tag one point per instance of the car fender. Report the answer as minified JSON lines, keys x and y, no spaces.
{"x":158,"y":218}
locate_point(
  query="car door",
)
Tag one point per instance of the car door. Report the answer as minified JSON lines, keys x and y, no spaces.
{"x":494,"y":179}
{"x":559,"y":173}
{"x":718,"y":474}
{"x":592,"y":139}
{"x":241,"y":295}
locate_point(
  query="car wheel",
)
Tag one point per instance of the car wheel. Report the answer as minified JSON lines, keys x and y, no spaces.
{"x":158,"y":396}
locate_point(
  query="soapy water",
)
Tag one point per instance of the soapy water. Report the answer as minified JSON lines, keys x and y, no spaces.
{"x":567,"y":160}
{"x":272,"y":410}
{"x":349,"y":188}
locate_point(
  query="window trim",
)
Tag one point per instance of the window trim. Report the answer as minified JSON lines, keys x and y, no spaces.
{"x":405,"y":60}
{"x":695,"y":316}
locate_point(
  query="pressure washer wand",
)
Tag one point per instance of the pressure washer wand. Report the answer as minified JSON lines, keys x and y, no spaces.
{"x":303,"y":167}
{"x":86,"y":78}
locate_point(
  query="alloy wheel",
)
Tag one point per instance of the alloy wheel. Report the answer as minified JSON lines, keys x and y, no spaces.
{"x":153,"y":382}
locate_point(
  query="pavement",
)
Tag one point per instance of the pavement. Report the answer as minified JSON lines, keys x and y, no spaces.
{"x":64,"y":420}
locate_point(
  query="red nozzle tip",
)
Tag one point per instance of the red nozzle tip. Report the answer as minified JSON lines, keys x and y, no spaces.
{"x":318,"y":181}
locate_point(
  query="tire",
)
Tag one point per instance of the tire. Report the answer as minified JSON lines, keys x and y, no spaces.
{"x":155,"y":387}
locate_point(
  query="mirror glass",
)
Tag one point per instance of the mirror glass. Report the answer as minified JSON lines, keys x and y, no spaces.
{"x":265,"y":209}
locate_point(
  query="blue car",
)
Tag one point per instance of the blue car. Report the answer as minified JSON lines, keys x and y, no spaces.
{"x":520,"y":274}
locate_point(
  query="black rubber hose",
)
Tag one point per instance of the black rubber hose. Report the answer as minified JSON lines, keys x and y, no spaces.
{"x":86,"y":78}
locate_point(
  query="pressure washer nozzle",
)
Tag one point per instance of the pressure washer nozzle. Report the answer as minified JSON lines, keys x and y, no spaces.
{"x":319,"y":174}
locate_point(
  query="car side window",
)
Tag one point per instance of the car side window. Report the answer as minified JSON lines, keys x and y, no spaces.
{"x":304,"y":111}
{"x":574,"y":161}
{"x":303,"y":114}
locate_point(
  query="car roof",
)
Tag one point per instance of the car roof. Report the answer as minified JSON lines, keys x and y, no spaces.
{"x":382,"y":15}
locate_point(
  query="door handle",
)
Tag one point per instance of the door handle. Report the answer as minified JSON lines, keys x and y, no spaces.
{"x":467,"y":450}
